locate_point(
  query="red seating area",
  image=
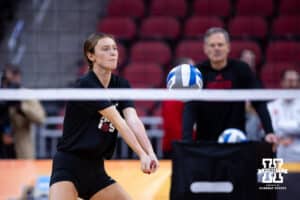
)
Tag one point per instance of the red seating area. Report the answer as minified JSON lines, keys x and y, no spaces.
{"x":120,"y":27}
{"x":289,"y":7}
{"x":151,"y":52}
{"x":192,"y":49}
{"x":175,"y":8}
{"x":286,"y":27}
{"x":248,"y":27}
{"x":286,"y":51}
{"x":255,"y":7}
{"x":271,"y":72}
{"x":153,"y":33}
{"x":160,"y":28}
{"x":196,"y":26}
{"x":237,"y":46}
{"x":214,"y":8}
{"x":128,"y":8}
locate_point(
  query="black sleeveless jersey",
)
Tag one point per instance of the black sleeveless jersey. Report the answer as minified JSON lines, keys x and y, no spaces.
{"x":86,"y":132}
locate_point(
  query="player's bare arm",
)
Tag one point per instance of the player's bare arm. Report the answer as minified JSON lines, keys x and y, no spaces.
{"x":113,"y":115}
{"x":138,"y":129}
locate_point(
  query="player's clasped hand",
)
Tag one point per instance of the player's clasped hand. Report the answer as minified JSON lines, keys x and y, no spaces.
{"x":149,"y":164}
{"x":154,"y":164}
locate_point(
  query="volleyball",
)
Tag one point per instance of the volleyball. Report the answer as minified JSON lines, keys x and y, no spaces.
{"x":184,"y":76}
{"x":232,"y":135}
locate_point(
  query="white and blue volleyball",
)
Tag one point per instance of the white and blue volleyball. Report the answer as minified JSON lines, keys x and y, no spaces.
{"x":184,"y":76}
{"x":232,"y":135}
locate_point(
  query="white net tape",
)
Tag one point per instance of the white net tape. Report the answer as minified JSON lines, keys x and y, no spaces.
{"x":147,"y":94}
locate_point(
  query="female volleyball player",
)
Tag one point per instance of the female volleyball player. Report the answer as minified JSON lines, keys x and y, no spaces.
{"x":90,"y":132}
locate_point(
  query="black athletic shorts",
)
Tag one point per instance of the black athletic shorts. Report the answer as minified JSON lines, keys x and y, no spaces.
{"x":87,"y":175}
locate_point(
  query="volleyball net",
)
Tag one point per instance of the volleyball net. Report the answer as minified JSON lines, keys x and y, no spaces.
{"x":148,"y":94}
{"x":47,"y":136}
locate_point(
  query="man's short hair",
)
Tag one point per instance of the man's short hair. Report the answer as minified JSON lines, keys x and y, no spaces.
{"x":215,"y":30}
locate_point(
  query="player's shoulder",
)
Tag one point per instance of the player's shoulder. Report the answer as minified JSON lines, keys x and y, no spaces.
{"x":119,"y":81}
{"x":118,"y":78}
{"x":90,"y":80}
{"x":86,"y":81}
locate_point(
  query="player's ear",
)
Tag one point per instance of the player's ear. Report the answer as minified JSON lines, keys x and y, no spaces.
{"x":90,"y":56}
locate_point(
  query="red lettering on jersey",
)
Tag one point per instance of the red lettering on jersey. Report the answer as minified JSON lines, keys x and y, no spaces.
{"x":226,"y":84}
{"x":105,"y":127}
{"x":219,"y":77}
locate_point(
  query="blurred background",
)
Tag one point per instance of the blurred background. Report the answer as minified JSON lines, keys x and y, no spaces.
{"x":44,"y":37}
{"x":43,"y":40}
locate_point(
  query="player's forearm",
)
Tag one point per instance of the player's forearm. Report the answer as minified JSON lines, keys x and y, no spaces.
{"x":119,"y":123}
{"x":130,"y":139}
{"x":139,"y":130}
